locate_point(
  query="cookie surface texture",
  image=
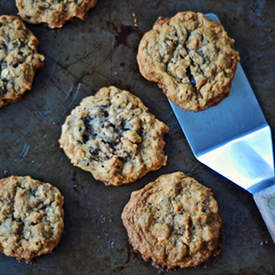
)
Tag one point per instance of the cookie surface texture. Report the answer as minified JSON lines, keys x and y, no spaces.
{"x":31,"y":217}
{"x":19,"y":59}
{"x":173,"y":221}
{"x":114,"y":137}
{"x":191,"y":58}
{"x":54,"y":13}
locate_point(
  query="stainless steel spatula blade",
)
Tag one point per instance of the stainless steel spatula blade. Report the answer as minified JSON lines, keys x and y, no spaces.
{"x":234,"y":139}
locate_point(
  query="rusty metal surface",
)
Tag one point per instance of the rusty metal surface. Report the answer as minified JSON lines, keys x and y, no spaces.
{"x":101,"y":51}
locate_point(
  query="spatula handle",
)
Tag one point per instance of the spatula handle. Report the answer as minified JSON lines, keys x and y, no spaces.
{"x":265,"y":201}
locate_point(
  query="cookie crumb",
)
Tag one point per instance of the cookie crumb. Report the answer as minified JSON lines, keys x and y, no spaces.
{"x":77,"y":187}
{"x":5,"y":172}
{"x":265,"y":242}
{"x":135,"y":19}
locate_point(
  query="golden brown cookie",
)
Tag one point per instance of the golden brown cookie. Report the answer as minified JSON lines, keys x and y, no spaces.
{"x":114,"y":137}
{"x":31,"y":217}
{"x":173,"y":221}
{"x":191,"y":58}
{"x":19,"y":59}
{"x":54,"y":13}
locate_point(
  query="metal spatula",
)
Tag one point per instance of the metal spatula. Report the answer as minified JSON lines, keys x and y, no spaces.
{"x":234,"y":139}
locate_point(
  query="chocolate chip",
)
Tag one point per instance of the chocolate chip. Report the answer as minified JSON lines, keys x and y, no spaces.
{"x":190,"y":77}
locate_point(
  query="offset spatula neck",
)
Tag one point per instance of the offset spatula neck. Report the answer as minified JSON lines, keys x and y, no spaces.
{"x":265,"y":201}
{"x":246,"y":160}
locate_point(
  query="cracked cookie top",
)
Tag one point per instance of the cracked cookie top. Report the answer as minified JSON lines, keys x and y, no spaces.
{"x":31,"y":217}
{"x":53,"y":12}
{"x":19,"y":59}
{"x":173,"y":221}
{"x":114,"y":137}
{"x":191,"y":58}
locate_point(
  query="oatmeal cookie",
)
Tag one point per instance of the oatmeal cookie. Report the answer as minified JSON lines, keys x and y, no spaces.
{"x":114,"y":137}
{"x":19,"y":59}
{"x":191,"y":58}
{"x":31,"y":217}
{"x":173,"y":221}
{"x":53,"y":12}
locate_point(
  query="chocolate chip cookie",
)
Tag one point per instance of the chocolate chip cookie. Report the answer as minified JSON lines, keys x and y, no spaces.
{"x":31,"y":217}
{"x":114,"y":137}
{"x":191,"y":58}
{"x":54,"y":13}
{"x":19,"y":59}
{"x":173,"y":221}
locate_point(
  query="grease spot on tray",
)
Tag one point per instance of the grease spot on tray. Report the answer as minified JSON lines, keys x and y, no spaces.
{"x":76,"y":186}
{"x":122,"y":32}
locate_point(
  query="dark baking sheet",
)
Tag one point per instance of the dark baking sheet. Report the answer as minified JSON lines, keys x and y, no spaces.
{"x":101,"y":51}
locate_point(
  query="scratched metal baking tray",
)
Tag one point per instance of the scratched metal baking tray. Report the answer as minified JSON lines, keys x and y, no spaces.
{"x":101,"y":51}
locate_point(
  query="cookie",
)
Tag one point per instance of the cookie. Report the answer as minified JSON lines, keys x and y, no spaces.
{"x":54,"y":13}
{"x":31,"y":217}
{"x":114,"y":137}
{"x":191,"y":58}
{"x":19,"y":59}
{"x":173,"y":221}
